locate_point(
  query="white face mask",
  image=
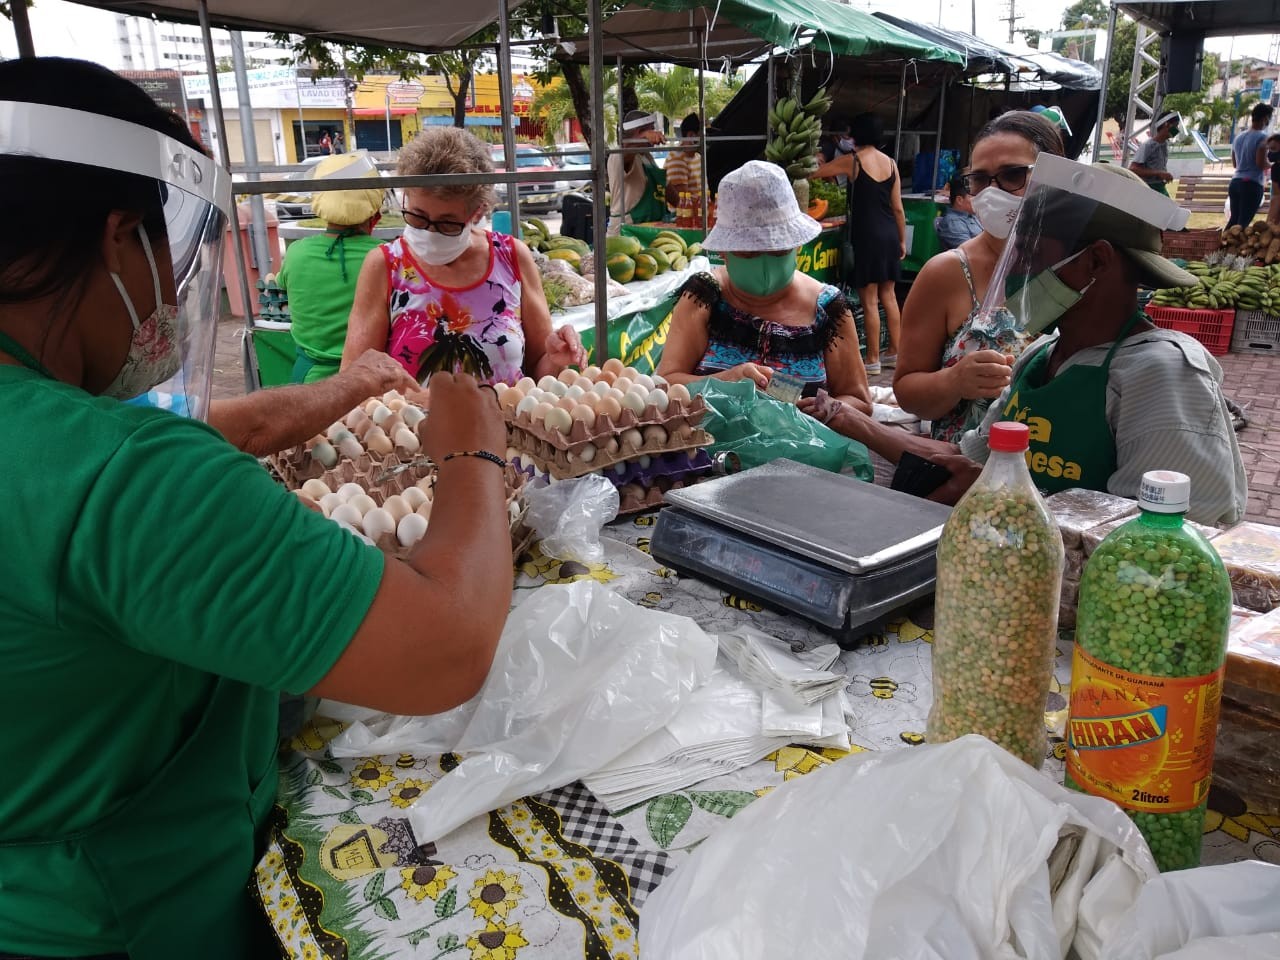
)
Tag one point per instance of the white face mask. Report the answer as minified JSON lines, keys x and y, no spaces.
{"x":153,"y":355}
{"x":435,"y":249}
{"x":996,"y":210}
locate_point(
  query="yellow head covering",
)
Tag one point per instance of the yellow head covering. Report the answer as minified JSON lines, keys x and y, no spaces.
{"x":346,"y":208}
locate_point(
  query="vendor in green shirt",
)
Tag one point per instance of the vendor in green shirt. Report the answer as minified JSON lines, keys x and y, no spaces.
{"x":159,"y":590}
{"x":319,"y":273}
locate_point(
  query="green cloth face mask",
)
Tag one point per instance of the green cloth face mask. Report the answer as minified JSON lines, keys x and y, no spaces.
{"x":763,"y":275}
{"x":1039,"y":301}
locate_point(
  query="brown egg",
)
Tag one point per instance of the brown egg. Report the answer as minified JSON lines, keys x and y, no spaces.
{"x":610,"y":407}
{"x":539,"y":413}
{"x":585,"y":414}
{"x":510,"y":398}
{"x":567,"y":376}
{"x":356,"y":419}
{"x":592,"y":372}
{"x":678,"y":392}
{"x":568,"y":403}
{"x":607,"y":376}
{"x":613,"y":365}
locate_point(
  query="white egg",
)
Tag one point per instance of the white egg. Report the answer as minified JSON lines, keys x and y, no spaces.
{"x":411,"y":529}
{"x":525,"y":384}
{"x":501,"y":387}
{"x":330,"y":502}
{"x":335,"y":429}
{"x":350,"y":448}
{"x":623,"y":384}
{"x":325,"y":455}
{"x":619,"y":468}
{"x":558,"y":388}
{"x":413,"y":416}
{"x":659,"y":381}
{"x":397,"y":507}
{"x":645,"y":381}
{"x":546,"y":382}
{"x":557,"y":418}
{"x":588,"y":453}
{"x":380,"y":414}
{"x":406,"y":440}
{"x":632,"y":401}
{"x":601,"y":389}
{"x":349,"y":490}
{"x":611,"y":446}
{"x":414,"y":497}
{"x":378,"y":522}
{"x":654,"y":434}
{"x":346,"y":513}
{"x":527,"y":405}
{"x":659,"y":399}
{"x":315,"y":489}
{"x":644,"y":461}
{"x":362,"y":502}
{"x":575,"y":392}
{"x":632,"y":438}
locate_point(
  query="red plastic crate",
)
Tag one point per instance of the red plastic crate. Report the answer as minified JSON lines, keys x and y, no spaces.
{"x":1190,"y":244}
{"x":1211,"y":327}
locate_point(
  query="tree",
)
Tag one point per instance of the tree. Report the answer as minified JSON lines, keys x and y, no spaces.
{"x":674,"y":94}
{"x":553,"y":105}
{"x":1085,"y":14}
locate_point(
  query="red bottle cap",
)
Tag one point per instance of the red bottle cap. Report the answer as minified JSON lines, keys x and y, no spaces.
{"x":1009,"y":437}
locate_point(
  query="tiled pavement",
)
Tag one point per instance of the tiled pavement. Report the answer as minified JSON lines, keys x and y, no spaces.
{"x":1253,"y":381}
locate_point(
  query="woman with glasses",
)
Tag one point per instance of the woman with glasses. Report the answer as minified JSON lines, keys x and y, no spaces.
{"x":448,"y":296}
{"x":943,"y":375}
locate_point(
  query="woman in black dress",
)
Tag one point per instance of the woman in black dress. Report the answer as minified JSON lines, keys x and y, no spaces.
{"x":879,"y":231}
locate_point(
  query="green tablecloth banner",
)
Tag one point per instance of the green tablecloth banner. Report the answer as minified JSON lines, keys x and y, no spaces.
{"x":636,"y":338}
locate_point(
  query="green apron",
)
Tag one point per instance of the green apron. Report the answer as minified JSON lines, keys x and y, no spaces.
{"x":1071,"y":441}
{"x":1158,"y":186}
{"x":307,"y":369}
{"x":652,"y":206}
{"x":166,"y":872}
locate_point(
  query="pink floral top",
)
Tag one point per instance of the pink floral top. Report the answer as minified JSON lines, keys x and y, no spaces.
{"x":473,"y":329}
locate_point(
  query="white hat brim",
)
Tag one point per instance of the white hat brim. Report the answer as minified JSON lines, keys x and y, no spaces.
{"x":762,"y":238}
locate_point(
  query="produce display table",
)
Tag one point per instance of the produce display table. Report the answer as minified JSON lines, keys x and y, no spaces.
{"x":556,"y":875}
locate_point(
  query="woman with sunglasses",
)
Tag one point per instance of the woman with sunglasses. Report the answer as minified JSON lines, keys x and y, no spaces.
{"x":940,"y":376}
{"x":447,"y":296}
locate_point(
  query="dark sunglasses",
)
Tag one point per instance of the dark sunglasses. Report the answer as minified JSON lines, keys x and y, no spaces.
{"x":446,"y":228}
{"x":1008,"y":179}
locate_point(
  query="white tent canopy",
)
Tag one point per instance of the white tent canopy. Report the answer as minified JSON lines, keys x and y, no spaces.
{"x":422,"y":25}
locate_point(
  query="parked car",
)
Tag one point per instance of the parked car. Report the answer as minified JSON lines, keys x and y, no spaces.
{"x":544,"y":196}
{"x":576,"y":161}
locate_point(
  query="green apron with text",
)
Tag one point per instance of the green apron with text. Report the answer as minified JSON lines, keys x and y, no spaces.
{"x":652,"y":206}
{"x":1071,"y":443}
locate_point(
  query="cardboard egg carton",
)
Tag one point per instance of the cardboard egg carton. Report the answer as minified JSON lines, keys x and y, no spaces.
{"x":633,"y":498}
{"x":678,"y":415}
{"x":565,"y":465}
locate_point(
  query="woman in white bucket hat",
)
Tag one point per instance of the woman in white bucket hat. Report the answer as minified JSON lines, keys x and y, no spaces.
{"x":758,"y":315}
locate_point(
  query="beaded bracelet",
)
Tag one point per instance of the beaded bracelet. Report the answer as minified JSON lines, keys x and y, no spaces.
{"x":479,"y":454}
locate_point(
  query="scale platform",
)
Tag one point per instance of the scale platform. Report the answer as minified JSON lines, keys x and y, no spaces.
{"x":839,"y":552}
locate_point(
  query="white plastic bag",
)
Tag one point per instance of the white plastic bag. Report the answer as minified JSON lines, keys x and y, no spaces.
{"x":1226,"y":911}
{"x":567,"y":516}
{"x":580,"y":676}
{"x":956,"y":852}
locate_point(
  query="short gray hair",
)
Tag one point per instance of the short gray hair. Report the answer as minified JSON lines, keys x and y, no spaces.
{"x":450,"y":150}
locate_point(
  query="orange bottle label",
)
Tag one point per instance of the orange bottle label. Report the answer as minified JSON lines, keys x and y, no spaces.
{"x":1144,"y":742}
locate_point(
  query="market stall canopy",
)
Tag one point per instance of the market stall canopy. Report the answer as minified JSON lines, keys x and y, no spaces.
{"x":670,"y":31}
{"x":1213,"y":18}
{"x":982,"y":57}
{"x":422,"y":25}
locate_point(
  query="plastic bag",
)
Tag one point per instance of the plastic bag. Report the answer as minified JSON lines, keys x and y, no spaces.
{"x":759,"y":429}
{"x":567,"y":516}
{"x":955,"y":851}
{"x":580,"y":676}
{"x":1203,"y":914}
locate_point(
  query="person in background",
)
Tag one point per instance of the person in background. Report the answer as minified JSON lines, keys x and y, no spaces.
{"x":161,"y":580}
{"x":338,"y":144}
{"x":958,"y":222}
{"x":448,"y":296}
{"x":326,"y":143}
{"x":1273,"y":157}
{"x":1151,"y":162}
{"x":941,"y":377}
{"x":758,"y":315}
{"x":1249,"y":152}
{"x":879,"y":227}
{"x":836,"y":142}
{"x":319,"y":273}
{"x":1108,"y":395}
{"x":683,"y":168}
{"x":637,"y":187}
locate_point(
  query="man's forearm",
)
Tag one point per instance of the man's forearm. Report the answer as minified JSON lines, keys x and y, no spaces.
{"x":268,"y":421}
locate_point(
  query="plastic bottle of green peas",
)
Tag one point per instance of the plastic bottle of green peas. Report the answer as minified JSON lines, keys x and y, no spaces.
{"x":996,"y":611}
{"x":1146,"y":679}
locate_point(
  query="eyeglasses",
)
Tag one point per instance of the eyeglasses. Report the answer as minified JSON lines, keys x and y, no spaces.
{"x":446,"y":228}
{"x":1008,"y":179}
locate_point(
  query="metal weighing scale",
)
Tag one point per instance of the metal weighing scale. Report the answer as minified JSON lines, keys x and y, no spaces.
{"x":833,"y":549}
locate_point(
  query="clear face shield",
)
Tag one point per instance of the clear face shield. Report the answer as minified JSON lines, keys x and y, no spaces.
{"x":174,"y":337}
{"x":1068,"y":205}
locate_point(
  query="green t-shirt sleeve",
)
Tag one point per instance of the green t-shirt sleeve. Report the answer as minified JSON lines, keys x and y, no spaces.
{"x":282,"y":278}
{"x":187,"y":549}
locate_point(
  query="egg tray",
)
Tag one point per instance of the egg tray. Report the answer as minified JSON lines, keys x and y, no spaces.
{"x":296,"y":467}
{"x":557,"y":462}
{"x":633,"y":499}
{"x":521,"y":537}
{"x":679,"y":414}
{"x":667,"y":465}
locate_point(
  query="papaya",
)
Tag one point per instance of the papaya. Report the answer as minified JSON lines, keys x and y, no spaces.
{"x":629,"y":246}
{"x":663,"y":261}
{"x":646,"y":267}
{"x":569,"y":243}
{"x":818,"y":209}
{"x":571,"y":257}
{"x":621,"y":267}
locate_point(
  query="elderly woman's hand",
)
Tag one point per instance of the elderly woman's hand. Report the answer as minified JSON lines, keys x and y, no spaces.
{"x":757,"y":373}
{"x":564,"y":349}
{"x":824,"y":408}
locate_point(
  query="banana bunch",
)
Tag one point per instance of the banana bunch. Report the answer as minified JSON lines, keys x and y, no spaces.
{"x":1255,"y":288}
{"x":796,"y":128}
{"x":675,"y":248}
{"x":536,"y":234}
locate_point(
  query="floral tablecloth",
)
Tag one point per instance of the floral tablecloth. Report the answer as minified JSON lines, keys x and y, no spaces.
{"x":556,"y":876}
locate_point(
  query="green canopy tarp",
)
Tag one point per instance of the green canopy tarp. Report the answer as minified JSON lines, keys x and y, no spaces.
{"x":841,"y":30}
